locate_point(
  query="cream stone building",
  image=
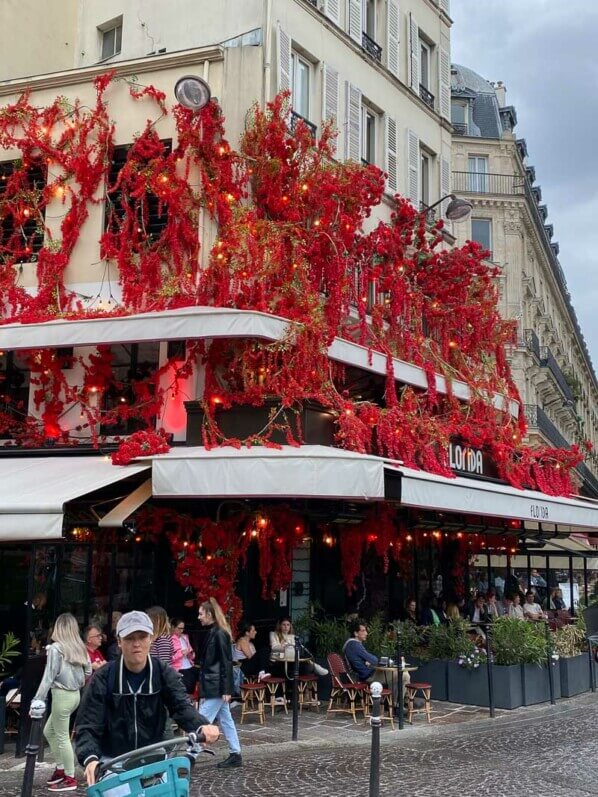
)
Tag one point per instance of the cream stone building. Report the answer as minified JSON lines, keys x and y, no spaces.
{"x":551,"y":363}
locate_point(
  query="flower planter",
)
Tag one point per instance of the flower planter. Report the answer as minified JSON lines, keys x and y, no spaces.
{"x":508,"y":689}
{"x":433,"y":672}
{"x":575,"y":675}
{"x":471,"y":686}
{"x":536,"y":687}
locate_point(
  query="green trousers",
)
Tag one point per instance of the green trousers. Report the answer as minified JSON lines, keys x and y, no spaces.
{"x":56,"y":729}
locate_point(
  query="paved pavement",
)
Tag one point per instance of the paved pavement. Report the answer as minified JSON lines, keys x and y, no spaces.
{"x":547,"y":750}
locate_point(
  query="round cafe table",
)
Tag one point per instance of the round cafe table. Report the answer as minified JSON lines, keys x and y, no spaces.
{"x":386,"y":669}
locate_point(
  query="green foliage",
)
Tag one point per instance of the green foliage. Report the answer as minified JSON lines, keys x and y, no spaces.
{"x":447,"y":641}
{"x":518,"y":642}
{"x":570,"y":640}
{"x":408,"y":637}
{"x":8,"y":651}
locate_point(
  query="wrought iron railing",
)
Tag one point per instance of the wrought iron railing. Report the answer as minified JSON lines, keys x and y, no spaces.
{"x":314,"y":3}
{"x":426,"y":96}
{"x":461,"y":128}
{"x":430,"y":212}
{"x":538,"y":419}
{"x":532,"y":342}
{"x":484,"y":183}
{"x":295,"y":117}
{"x":371,"y":47}
{"x":547,"y":360}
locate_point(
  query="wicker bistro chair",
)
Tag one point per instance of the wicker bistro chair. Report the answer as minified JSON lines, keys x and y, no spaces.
{"x":13,"y":712}
{"x":343,"y":686}
{"x":308,"y":692}
{"x":385,"y":703}
{"x":249,"y":691}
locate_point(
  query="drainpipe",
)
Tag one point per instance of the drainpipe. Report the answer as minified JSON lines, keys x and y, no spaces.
{"x":267,"y":48}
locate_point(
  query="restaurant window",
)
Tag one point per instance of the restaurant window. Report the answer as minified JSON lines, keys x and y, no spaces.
{"x":14,"y":391}
{"x":21,"y":221}
{"x":132,"y":364}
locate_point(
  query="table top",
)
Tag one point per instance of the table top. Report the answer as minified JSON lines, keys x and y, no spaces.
{"x":394,"y":668}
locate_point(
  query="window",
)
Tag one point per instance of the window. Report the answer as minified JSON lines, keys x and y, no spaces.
{"x":368,"y":135}
{"x":21,"y":225}
{"x":300,"y":79}
{"x":131,"y":364}
{"x":369,"y":18}
{"x":424,"y":64}
{"x":459,"y":116}
{"x":477,"y":166}
{"x":111,"y":40}
{"x":481,"y":233}
{"x":424,"y":179}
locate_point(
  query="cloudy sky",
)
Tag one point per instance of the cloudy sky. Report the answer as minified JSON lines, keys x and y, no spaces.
{"x":544,"y":52}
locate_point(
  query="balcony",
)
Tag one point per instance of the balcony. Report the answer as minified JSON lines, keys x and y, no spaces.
{"x":547,"y":360}
{"x":538,"y":419}
{"x":426,"y":96}
{"x":294,"y":119}
{"x":430,"y":213}
{"x":532,"y":342}
{"x":484,"y":183}
{"x":461,"y":128}
{"x":371,"y":47}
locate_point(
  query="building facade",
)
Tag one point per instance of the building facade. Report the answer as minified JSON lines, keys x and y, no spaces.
{"x":551,"y":364}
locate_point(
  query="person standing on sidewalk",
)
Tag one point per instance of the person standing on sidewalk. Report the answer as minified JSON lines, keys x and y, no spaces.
{"x":217,"y":677}
{"x":67,"y":667}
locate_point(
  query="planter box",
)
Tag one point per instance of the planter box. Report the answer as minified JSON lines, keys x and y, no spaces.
{"x":575,"y":675}
{"x":432,"y":672}
{"x":536,"y":688}
{"x":471,"y":686}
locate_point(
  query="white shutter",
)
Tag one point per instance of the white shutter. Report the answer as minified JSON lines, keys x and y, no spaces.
{"x":445,"y":182}
{"x":413,"y":54}
{"x":392,"y":36}
{"x":353,"y":123}
{"x":444,"y":82}
{"x":445,"y":5}
{"x":392,"y":160}
{"x":330,"y":91}
{"x":413,"y":168}
{"x":332,"y":9}
{"x":356,"y":20}
{"x":284,"y":60}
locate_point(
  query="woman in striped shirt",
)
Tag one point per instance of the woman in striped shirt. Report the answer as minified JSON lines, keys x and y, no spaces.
{"x":161,"y":647}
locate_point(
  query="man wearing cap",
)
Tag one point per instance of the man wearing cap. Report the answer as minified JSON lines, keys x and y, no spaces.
{"x":127,"y":702}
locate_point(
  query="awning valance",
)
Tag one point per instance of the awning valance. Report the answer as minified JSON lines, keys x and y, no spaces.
{"x":33,"y":491}
{"x":470,"y":496}
{"x":305,"y":472}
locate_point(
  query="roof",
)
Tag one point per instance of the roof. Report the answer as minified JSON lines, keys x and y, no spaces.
{"x":485,"y":121}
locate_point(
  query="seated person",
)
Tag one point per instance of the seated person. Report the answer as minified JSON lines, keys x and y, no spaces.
{"x":411,"y":611}
{"x":282,"y":649}
{"x":556,"y":602}
{"x":430,"y":615}
{"x":362,"y":662}
{"x":248,"y":662}
{"x":478,"y":613}
{"x":109,"y":723}
{"x":515,"y":609}
{"x":452,"y":612}
{"x":532,"y":610}
{"x":492,"y":607}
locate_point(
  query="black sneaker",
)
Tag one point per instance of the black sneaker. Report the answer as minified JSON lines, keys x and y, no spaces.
{"x":234,"y":760}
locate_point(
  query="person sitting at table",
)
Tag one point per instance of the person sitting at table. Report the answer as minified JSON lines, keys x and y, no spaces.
{"x":411,"y":611}
{"x":282,"y":650}
{"x":452,"y":612}
{"x":362,"y":662}
{"x":515,"y":609}
{"x":430,"y":614}
{"x":532,"y":610}
{"x":492,"y":607}
{"x":556,"y":602}
{"x":478,"y":613}
{"x":244,"y":652}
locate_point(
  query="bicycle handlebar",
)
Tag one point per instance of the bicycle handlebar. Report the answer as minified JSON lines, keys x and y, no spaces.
{"x":189,"y":739}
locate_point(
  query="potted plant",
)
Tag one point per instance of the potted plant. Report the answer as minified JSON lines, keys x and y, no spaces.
{"x":8,"y":651}
{"x":443,"y":644}
{"x":570,"y":644}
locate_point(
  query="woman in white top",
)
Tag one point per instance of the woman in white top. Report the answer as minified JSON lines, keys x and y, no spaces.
{"x":282,"y":648}
{"x":515,"y":609}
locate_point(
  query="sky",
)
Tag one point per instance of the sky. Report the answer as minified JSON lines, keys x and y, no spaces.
{"x":544,"y":51}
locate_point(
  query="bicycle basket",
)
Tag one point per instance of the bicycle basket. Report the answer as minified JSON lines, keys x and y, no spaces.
{"x":168,"y":778}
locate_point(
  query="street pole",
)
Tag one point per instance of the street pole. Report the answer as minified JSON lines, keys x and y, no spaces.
{"x":296,"y":690}
{"x":549,"y":658}
{"x":399,"y":706}
{"x":31,"y":751}
{"x":375,"y":722}
{"x":489,"y":670}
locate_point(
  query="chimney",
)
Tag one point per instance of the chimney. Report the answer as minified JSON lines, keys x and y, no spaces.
{"x":501,"y":93}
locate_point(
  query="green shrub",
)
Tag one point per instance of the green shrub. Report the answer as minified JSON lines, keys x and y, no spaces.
{"x":447,"y":641}
{"x":8,"y":651}
{"x":408,"y":637}
{"x":518,"y":642}
{"x":570,"y":640}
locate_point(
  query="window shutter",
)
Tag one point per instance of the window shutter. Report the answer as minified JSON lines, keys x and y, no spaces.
{"x":330,"y":90}
{"x":392,"y":161}
{"x":332,"y":10}
{"x":284,"y":60}
{"x":445,"y":182}
{"x":445,"y":5}
{"x":413,"y":168}
{"x":444,"y":82}
{"x":413,"y":55}
{"x":392,"y":36}
{"x":355,"y":20}
{"x":353,"y":126}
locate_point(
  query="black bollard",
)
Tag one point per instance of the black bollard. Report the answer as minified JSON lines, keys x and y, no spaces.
{"x":2,"y":722}
{"x":399,"y":712}
{"x":296,"y":690}
{"x":31,"y":751}
{"x":375,"y":722}
{"x":592,"y":672}
{"x":549,"y":659}
{"x":489,"y":670}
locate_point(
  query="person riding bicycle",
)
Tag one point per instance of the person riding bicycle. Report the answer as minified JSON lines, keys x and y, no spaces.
{"x":127,"y":703}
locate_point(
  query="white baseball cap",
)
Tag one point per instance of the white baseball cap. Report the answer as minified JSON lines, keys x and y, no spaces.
{"x":134,"y":621}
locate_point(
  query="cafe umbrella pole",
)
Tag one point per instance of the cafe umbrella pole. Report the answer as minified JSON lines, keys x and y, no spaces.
{"x":296,"y":690}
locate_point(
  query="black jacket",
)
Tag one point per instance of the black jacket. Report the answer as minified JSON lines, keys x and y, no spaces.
{"x":217,"y":664}
{"x":112,"y":720}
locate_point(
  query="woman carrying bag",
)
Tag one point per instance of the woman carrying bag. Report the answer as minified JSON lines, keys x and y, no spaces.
{"x":67,"y":667}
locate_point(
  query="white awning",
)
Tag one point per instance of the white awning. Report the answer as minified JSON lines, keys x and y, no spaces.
{"x":192,"y":323}
{"x":305,"y":472}
{"x":33,"y":491}
{"x":428,"y":491}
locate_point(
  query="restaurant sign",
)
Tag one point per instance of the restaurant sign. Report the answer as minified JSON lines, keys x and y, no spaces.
{"x":470,"y":461}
